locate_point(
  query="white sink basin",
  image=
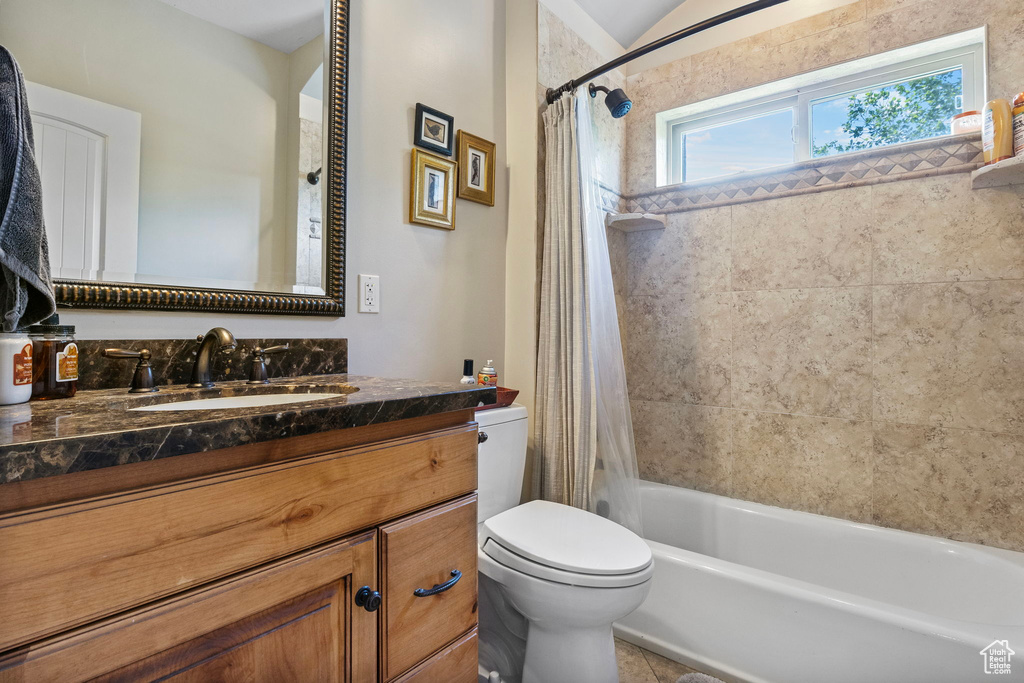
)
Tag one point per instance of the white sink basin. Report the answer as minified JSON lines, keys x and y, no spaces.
{"x":228,"y":402}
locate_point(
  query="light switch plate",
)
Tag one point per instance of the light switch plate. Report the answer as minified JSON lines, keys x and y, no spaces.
{"x":369,"y":293}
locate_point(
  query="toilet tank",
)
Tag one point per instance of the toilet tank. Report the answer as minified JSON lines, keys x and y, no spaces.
{"x":501,"y":459}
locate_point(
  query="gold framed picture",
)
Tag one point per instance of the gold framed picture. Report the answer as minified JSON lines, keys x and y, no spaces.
{"x":432,"y":191}
{"x":476,"y":168}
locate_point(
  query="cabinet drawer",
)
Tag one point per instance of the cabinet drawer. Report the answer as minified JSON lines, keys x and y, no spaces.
{"x":421,"y":552}
{"x":457,"y":663}
{"x":118,"y":552}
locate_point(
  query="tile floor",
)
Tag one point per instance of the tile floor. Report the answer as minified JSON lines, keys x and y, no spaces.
{"x":637,"y":665}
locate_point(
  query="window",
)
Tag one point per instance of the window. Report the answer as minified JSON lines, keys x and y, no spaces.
{"x":900,"y":96}
{"x":759,"y":141}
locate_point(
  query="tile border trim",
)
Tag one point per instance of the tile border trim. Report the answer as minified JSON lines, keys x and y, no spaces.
{"x":924,"y":159}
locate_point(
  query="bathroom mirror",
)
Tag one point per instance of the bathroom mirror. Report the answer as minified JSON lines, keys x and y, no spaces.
{"x":191,"y":152}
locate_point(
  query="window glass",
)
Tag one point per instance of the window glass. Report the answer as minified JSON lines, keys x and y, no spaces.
{"x":896,"y":97}
{"x":738,"y":146}
{"x":915,"y":109}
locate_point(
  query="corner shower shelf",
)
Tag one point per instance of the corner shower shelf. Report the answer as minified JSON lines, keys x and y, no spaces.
{"x":1008,"y":172}
{"x":635,"y":222}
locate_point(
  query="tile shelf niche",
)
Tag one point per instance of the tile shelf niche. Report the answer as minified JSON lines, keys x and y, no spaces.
{"x":1007,"y":172}
{"x":635,"y":222}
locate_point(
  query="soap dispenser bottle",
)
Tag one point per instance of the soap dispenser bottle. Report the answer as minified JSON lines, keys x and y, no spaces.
{"x":467,"y":372}
{"x":488,"y":376}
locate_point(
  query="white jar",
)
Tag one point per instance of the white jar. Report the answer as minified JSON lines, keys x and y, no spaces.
{"x":15,"y":368}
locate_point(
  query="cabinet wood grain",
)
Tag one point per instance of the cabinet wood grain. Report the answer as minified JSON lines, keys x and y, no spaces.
{"x":21,"y":495}
{"x":421,"y":551}
{"x":456,"y":663}
{"x":70,"y":564}
{"x":293,"y":620}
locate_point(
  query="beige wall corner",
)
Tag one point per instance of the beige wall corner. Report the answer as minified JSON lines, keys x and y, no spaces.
{"x":521,"y":246}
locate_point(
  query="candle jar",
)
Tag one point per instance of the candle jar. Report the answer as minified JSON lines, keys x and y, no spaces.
{"x":54,"y":360}
{"x":15,"y":368}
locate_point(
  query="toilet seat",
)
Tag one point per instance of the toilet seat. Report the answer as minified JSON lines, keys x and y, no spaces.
{"x":566,"y":545}
{"x":510,"y":560}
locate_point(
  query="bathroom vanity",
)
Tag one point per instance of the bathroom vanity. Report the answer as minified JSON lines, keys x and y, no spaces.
{"x":337,"y":543}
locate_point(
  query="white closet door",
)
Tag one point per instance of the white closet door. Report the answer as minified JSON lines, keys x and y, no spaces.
{"x":88,"y":154}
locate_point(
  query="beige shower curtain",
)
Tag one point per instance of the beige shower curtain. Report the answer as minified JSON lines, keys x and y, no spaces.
{"x":584,"y":449}
{"x":566,"y":414}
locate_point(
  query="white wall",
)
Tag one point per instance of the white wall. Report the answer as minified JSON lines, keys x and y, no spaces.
{"x":442,"y":293}
{"x":213,"y":182}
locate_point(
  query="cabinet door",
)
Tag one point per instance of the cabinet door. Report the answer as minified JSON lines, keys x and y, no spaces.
{"x":293,"y":620}
{"x":419,"y":554}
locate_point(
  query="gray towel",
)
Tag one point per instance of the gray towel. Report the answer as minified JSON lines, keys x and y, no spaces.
{"x":26,"y":292}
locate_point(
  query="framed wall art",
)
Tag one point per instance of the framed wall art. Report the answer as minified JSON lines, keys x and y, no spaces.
{"x":435,"y":130}
{"x":476,"y":168}
{"x":432,"y":191}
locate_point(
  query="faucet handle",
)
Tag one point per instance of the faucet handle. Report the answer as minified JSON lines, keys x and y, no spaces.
{"x":258,"y":370}
{"x":142,"y":380}
{"x":273,"y":349}
{"x":126,"y":353}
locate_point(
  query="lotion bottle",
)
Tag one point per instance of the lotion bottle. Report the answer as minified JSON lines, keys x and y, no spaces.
{"x":467,"y":372}
{"x":997,"y":131}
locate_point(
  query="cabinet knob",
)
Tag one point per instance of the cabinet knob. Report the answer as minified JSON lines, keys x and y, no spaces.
{"x":368,"y":599}
{"x":481,"y":437}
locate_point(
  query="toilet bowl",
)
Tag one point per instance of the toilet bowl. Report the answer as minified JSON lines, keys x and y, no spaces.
{"x":553,"y":577}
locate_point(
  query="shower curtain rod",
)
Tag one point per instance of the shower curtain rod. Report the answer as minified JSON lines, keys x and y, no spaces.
{"x":554,"y":93}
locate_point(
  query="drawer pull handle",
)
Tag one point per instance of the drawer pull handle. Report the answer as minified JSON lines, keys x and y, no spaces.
{"x":439,"y":588}
{"x":481,"y":437}
{"x":368,"y":599}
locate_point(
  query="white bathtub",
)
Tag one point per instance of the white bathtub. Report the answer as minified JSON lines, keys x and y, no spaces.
{"x":757,"y":593}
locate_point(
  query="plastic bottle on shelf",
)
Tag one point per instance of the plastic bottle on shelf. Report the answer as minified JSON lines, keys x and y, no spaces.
{"x":1018,"y":125}
{"x":997,"y":131}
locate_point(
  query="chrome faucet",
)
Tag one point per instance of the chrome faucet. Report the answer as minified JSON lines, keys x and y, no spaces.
{"x":216,"y":340}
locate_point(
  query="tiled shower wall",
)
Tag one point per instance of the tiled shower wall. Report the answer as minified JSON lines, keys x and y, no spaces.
{"x":561,"y":56}
{"x":855,"y":352}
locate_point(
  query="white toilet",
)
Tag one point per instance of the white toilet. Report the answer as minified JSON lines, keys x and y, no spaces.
{"x":552,"y":578}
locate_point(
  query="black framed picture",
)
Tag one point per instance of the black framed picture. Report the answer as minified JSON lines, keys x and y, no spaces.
{"x":435,"y":130}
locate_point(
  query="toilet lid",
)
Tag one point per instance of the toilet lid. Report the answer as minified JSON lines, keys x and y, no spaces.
{"x":568,"y":538}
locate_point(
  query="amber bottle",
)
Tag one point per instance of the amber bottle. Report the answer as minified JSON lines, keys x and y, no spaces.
{"x":54,"y":360}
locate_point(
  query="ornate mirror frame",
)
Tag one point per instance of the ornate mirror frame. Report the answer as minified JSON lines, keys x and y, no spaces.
{"x":132,"y":296}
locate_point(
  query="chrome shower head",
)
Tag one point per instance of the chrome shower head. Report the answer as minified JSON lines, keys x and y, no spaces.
{"x":617,"y":101}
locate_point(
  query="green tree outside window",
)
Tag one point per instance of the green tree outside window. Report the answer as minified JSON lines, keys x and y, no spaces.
{"x":913,"y":110}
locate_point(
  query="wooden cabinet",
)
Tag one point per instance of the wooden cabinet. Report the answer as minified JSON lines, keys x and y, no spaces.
{"x":457,"y":662}
{"x":251,"y":573}
{"x":292,"y":620}
{"x":429,"y":585}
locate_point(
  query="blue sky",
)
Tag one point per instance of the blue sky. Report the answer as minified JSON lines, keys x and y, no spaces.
{"x":740,"y":146}
{"x":760,"y":142}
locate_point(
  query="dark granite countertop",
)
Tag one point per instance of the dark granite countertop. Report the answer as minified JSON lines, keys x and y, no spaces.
{"x":96,"y":429}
